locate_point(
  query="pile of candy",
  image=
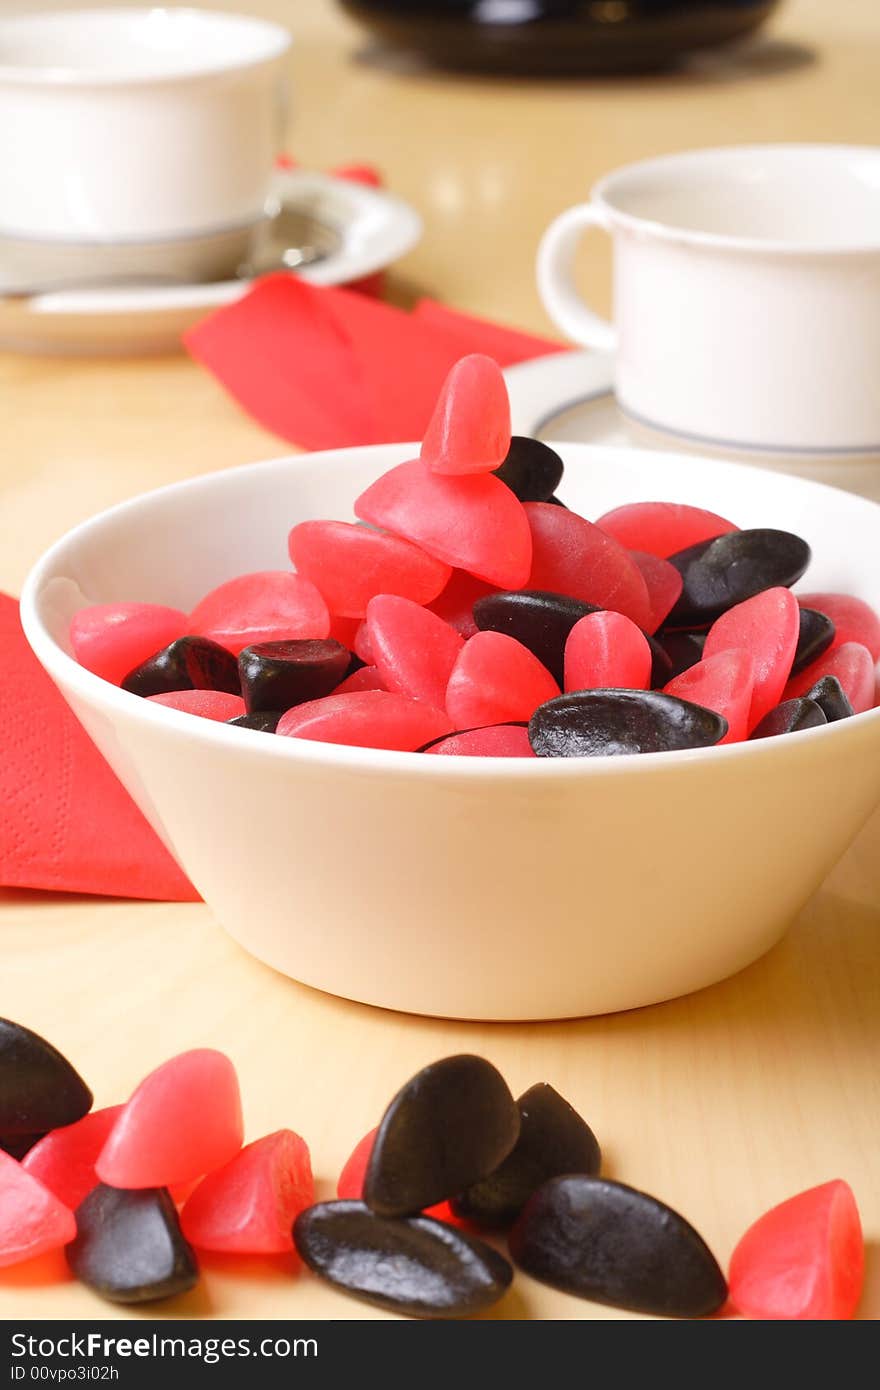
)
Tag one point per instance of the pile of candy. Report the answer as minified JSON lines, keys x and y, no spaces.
{"x":472,"y":613}
{"x":131,"y":1190}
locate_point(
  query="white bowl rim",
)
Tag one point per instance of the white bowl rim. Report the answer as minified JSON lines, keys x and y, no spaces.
{"x":95,"y":690}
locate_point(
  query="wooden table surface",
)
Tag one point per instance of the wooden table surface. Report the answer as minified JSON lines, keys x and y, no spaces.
{"x":723,"y":1103}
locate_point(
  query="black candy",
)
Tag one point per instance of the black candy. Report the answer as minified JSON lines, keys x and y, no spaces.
{"x":39,"y":1089}
{"x":720,"y":573}
{"x":17,"y":1145}
{"x":684,"y":649}
{"x":598,"y":723}
{"x":265,"y":721}
{"x":815,"y":637}
{"x":610,"y":1243}
{"x":532,"y":470}
{"x":418,"y":1266}
{"x":279,"y":675}
{"x":831,"y":698}
{"x":190,"y":663}
{"x":661,"y":665}
{"x":553,"y":1139}
{"x":129,"y":1246}
{"x":789,"y":718}
{"x":448,"y":1127}
{"x":538,"y":619}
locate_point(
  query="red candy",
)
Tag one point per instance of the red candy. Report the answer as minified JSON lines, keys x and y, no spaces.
{"x":369,"y":719}
{"x":344,"y":630}
{"x":853,"y":619}
{"x":767,"y":626}
{"x":364,"y":678}
{"x":456,"y":603}
{"x":473,"y":523}
{"x":184,"y":1120}
{"x":724,"y":683}
{"x":362,"y":647}
{"x":804,"y":1259}
{"x":110,"y":639}
{"x":414,"y":651}
{"x":268,"y":606}
{"x":662,"y":528}
{"x":350,"y":1186}
{"x":607,"y":650}
{"x":664,"y":585}
{"x":469,"y":431}
{"x":208,"y":704}
{"x":350,"y":564}
{"x":572,"y":556}
{"x":496,"y":680}
{"x":495,"y":741}
{"x":249,"y":1205}
{"x":853,"y":666}
{"x":32,"y":1220}
{"x":64,"y":1160}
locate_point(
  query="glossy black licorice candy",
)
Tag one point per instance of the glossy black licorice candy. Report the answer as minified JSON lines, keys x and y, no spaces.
{"x":684,"y":649}
{"x":815,"y":637}
{"x":719,"y":573}
{"x":613,"y":1244}
{"x":189,"y":663}
{"x":418,"y":1266}
{"x":553,"y":1139}
{"x":129,"y":1246}
{"x":789,"y":718}
{"x":532,"y":470}
{"x":602,"y":723}
{"x":540,"y":620}
{"x":279,"y":675}
{"x":831,"y":698}
{"x":661,"y":664}
{"x":39,"y":1089}
{"x":264,"y":721}
{"x":448,"y":1127}
{"x":17,"y":1145}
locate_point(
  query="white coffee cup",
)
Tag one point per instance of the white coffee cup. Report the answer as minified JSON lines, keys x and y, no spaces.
{"x":138,"y":127}
{"x":746,"y":293}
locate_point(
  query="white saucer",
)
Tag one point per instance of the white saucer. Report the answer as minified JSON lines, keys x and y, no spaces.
{"x":376,"y":229}
{"x":570,"y":396}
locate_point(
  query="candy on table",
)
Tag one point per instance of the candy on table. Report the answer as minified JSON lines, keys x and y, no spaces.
{"x":279,"y":675}
{"x":662,"y":528}
{"x":417,"y":1266}
{"x":684,"y":650}
{"x":719,"y":574}
{"x":553,"y":1140}
{"x":613,"y":1244}
{"x":605,"y":650}
{"x":532,"y":470}
{"x":790,"y":718}
{"x":414,"y":651}
{"x":207,"y":704}
{"x":249,"y":1205}
{"x":663,"y":583}
{"x":815,"y":636}
{"x":351,"y":564}
{"x":129,"y":1247}
{"x":804,"y":1259}
{"x":265,"y":606}
{"x":494,"y":741}
{"x":572,"y":556}
{"x":831,"y":698}
{"x":469,"y":431}
{"x":766,"y":626}
{"x":600,"y":723}
{"x":189,"y":663}
{"x":853,"y":666}
{"x":724,"y":683}
{"x":64,"y":1159}
{"x":472,"y":523}
{"x":448,"y":1127}
{"x":367,"y":719}
{"x":264,"y":721}
{"x":351,"y":1179}
{"x":39,"y":1089}
{"x":496,"y":680}
{"x":456,"y":603}
{"x":854,"y":620}
{"x":539,"y":620}
{"x":110,"y":639}
{"x":182,"y":1121}
{"x":32,"y":1219}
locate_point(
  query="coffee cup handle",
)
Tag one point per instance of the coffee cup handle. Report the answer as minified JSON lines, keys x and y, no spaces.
{"x":555,"y":271}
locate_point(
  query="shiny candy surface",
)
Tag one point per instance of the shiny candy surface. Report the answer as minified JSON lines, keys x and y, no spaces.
{"x":206,"y":704}
{"x":367,"y":719}
{"x":129,"y":1247}
{"x":854,"y":620}
{"x":496,"y":680}
{"x":249,"y":1205}
{"x":767,"y":626}
{"x":495,"y":741}
{"x":720,"y":573}
{"x":815,"y":637}
{"x":664,"y":585}
{"x":831,"y":698}
{"x":350,"y":564}
{"x":539,"y":620}
{"x":414,"y":651}
{"x":723,"y":683}
{"x":606,"y":649}
{"x":662,"y":528}
{"x":39,"y":1089}
{"x":601,"y":723}
{"x":853,"y":666}
{"x":32,"y":1219}
{"x":456,"y":603}
{"x":265,"y":606}
{"x":789,"y":718}
{"x":532,"y":470}
{"x":110,"y":639}
{"x":469,"y":431}
{"x":64,"y":1159}
{"x":572,"y":556}
{"x":189,"y":663}
{"x":279,"y":675}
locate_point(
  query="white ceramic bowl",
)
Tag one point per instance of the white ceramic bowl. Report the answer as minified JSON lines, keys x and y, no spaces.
{"x":471,"y":888}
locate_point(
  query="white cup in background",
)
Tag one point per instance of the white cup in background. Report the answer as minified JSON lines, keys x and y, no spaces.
{"x":746,"y":293}
{"x":127,"y":127}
